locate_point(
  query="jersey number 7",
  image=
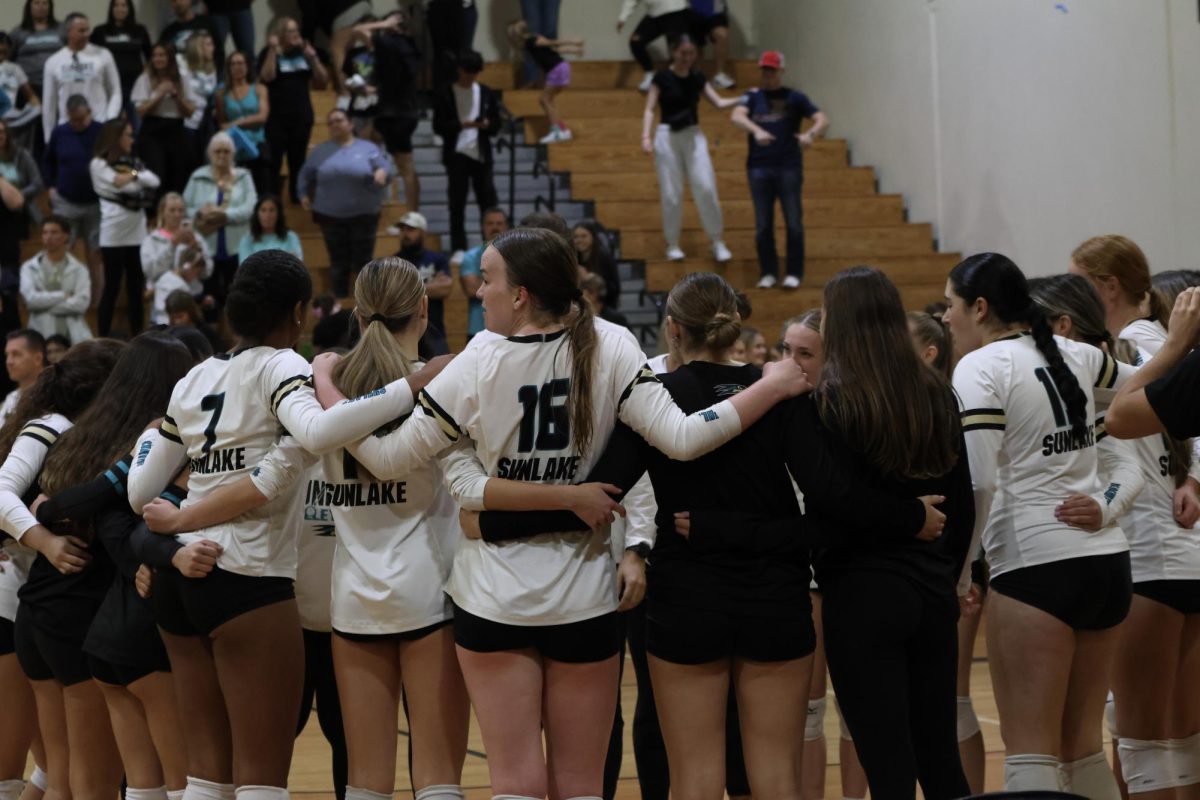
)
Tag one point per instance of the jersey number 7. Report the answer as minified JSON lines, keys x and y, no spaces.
{"x":214,"y":403}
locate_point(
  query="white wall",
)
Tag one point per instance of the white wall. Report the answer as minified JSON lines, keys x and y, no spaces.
{"x":1023,"y":126}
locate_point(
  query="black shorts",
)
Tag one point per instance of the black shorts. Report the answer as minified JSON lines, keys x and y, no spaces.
{"x":8,"y":643}
{"x":1181,"y":595}
{"x":583,"y":642}
{"x":403,"y":636}
{"x":703,"y":27}
{"x":979,"y":575}
{"x":1092,"y":593}
{"x":45,"y":656}
{"x":167,"y":604}
{"x":120,"y":674}
{"x":397,"y":133}
{"x":684,"y":635}
{"x":218,"y":597}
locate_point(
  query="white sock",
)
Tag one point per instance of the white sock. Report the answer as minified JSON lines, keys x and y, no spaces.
{"x":175,"y":794}
{"x":439,"y":791}
{"x":261,"y":793}
{"x":354,"y":793}
{"x":39,"y":778}
{"x":1032,"y":772}
{"x":509,"y":797}
{"x":200,"y":789}
{"x":158,"y":793}
{"x":1091,"y":777}
{"x":11,"y":790}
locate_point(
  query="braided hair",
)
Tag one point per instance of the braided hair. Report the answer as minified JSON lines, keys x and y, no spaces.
{"x":998,"y":280}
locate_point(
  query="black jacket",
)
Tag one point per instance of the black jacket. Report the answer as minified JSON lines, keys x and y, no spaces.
{"x":446,"y":123}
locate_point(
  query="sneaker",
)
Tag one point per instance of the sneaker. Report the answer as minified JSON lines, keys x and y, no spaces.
{"x":721,"y":252}
{"x":647,"y":79}
{"x":791,"y":282}
{"x":393,"y":230}
{"x":556,"y":135}
{"x":723,"y":81}
{"x":675,"y":254}
{"x":766,"y":282}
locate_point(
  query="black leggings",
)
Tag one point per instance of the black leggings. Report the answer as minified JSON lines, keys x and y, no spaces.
{"x":650,"y":28}
{"x":893,"y":651}
{"x":319,"y":685}
{"x":649,"y":750}
{"x":288,"y":138}
{"x":166,"y":149}
{"x":118,"y":262}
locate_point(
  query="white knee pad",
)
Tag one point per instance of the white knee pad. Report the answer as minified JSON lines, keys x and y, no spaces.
{"x":1185,"y":760}
{"x":842,"y":729}
{"x":200,"y":789}
{"x":968,"y":723}
{"x":814,"y":720}
{"x":1032,"y":772}
{"x":443,"y":791}
{"x":253,"y":792}
{"x":1110,"y":714}
{"x":1146,"y":765}
{"x":39,"y":778}
{"x":175,"y":794}
{"x":512,"y":797}
{"x":1092,"y":778}
{"x":11,"y":790}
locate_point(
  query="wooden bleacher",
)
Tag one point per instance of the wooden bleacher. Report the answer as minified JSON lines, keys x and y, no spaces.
{"x":847,"y":221}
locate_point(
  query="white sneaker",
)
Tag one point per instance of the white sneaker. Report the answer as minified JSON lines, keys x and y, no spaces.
{"x":675,"y":254}
{"x":791,"y":282}
{"x":721,"y":252}
{"x":556,"y":135}
{"x":393,"y":230}
{"x":647,"y":79}
{"x":723,"y":81}
{"x":766,"y":282}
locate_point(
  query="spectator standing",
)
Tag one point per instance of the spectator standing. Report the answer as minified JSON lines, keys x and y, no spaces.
{"x":243,"y":109}
{"x":164,"y":99}
{"x":220,"y":198}
{"x":232,"y":17}
{"x":128,"y":42}
{"x":466,"y":115}
{"x":20,"y":183}
{"x":670,"y":18}
{"x":397,"y":110}
{"x":161,"y":250}
{"x":289,"y":67}
{"x":200,"y":71}
{"x":451,"y":25}
{"x":16,"y":85}
{"x":55,"y":286}
{"x":434,"y":269}
{"x":541,"y":16}
{"x":126,"y":189}
{"x":188,"y":22}
{"x":24,"y":360}
{"x":337,"y":19}
{"x":66,"y":168}
{"x":38,"y":37}
{"x":495,"y":222}
{"x":680,"y":148}
{"x":359,"y":76}
{"x":771,"y":115}
{"x":342,"y":183}
{"x":548,"y":53}
{"x":269,"y":231}
{"x":710,"y":22}
{"x":596,"y":258}
{"x":80,"y":68}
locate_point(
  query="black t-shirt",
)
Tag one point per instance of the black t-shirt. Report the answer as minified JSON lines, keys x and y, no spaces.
{"x":178,"y":32}
{"x":547,"y":58}
{"x":226,"y":6}
{"x":1175,"y":398}
{"x":679,"y":98}
{"x":779,"y":112}
{"x":130,"y":48}
{"x":397,"y":67}
{"x":289,"y":92}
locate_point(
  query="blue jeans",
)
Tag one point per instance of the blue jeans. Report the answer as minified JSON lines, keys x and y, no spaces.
{"x":542,"y":17}
{"x":241,"y":25}
{"x":766,"y":185}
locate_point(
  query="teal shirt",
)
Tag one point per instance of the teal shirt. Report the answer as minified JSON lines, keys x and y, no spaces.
{"x":470,"y":265}
{"x":269,"y":241}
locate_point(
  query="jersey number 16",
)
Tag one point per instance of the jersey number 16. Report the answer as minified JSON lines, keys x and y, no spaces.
{"x":543,"y":415}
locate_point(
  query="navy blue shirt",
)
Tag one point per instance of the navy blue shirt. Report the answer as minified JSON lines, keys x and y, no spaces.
{"x":67,"y":158}
{"x":429,"y":264}
{"x":778,"y":112}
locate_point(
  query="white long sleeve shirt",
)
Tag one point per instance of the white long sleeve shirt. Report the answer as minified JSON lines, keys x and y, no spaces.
{"x":654,"y":8}
{"x":90,"y":72}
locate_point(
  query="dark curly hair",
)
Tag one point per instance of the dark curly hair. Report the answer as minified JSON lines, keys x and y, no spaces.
{"x":265,"y":292}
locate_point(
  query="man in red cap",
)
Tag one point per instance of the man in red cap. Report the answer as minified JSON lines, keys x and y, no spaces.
{"x":771,"y":114}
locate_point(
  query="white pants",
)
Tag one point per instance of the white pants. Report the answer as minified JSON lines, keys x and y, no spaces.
{"x":679,"y":155}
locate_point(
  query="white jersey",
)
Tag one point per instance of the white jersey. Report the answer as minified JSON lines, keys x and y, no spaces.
{"x":1025,"y":459}
{"x":510,"y":397}
{"x":10,"y":404}
{"x":226,"y":416}
{"x":314,"y":570}
{"x":1159,"y":548}
{"x":18,"y":476}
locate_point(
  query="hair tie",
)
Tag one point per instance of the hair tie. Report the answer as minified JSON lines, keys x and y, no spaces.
{"x":377,"y":318}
